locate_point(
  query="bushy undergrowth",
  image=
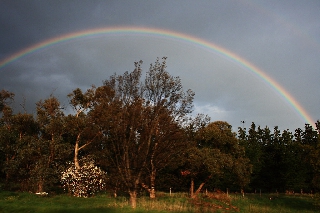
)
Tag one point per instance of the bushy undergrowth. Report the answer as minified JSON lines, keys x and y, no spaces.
{"x":83,"y":182}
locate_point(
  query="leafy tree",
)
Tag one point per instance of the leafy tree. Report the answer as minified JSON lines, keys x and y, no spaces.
{"x":281,"y":161}
{"x":216,"y":157}
{"x":8,"y":137}
{"x":294,"y":168}
{"x":142,"y":121}
{"x":310,"y":149}
{"x":167,"y":106}
{"x":6,"y":98}
{"x":53,"y":151}
{"x":175,"y":174}
{"x":33,"y":147}
{"x":253,"y":145}
{"x":272,"y":157}
{"x":315,"y":161}
{"x":80,"y":127}
{"x":17,"y":139}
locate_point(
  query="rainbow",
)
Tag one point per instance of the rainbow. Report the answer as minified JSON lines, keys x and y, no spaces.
{"x":166,"y":34}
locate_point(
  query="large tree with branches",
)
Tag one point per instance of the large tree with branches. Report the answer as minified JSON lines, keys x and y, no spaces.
{"x":141,"y":123}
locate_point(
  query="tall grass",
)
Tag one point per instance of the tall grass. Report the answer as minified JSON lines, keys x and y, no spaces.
{"x":164,"y":203}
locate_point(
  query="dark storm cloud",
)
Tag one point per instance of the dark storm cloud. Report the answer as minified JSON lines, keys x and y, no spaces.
{"x":281,"y":38}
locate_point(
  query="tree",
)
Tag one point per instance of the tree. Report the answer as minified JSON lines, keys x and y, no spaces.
{"x":17,"y":137}
{"x":82,"y":178}
{"x":6,"y":98}
{"x":281,"y":161}
{"x":141,"y":119}
{"x":34,"y":147}
{"x":6,"y":113}
{"x":315,"y":161}
{"x":167,"y":106}
{"x":18,"y":132}
{"x":274,"y":167}
{"x":7,"y":134}
{"x":217,"y":155}
{"x":80,"y":126}
{"x":294,"y":168}
{"x":310,"y":149}
{"x":53,"y":150}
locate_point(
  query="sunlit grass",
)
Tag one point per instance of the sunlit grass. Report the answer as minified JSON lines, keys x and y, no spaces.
{"x":178,"y":202}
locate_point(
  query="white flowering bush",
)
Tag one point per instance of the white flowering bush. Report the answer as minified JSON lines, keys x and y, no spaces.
{"x":83,"y":182}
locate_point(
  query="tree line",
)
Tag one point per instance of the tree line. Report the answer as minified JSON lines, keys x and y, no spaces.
{"x":133,"y":135}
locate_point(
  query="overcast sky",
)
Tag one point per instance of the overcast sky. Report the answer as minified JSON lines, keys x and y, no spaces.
{"x":282,"y":38}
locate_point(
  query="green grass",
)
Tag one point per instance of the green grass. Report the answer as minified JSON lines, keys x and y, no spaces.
{"x":278,"y":203}
{"x":179,"y":202}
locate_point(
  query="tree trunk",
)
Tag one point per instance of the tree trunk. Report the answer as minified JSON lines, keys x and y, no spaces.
{"x":152,"y":193}
{"x":51,"y":156}
{"x":153,"y":171}
{"x":7,"y":173}
{"x":198,"y":190}
{"x":200,"y":187}
{"x":133,"y":199}
{"x":191,"y":187}
{"x":40,"y":185}
{"x":152,"y":183}
{"x":76,"y":153}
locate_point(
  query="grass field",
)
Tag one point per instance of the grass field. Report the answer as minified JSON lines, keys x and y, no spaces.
{"x":27,"y":202}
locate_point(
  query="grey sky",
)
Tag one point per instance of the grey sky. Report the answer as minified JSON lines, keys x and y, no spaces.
{"x":282,"y":38}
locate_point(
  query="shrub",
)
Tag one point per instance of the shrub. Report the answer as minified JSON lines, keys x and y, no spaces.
{"x":83,"y":182}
